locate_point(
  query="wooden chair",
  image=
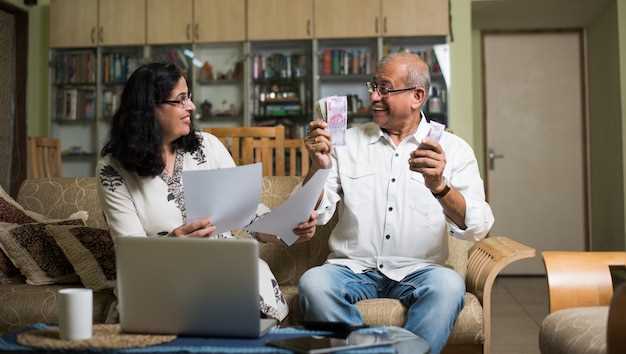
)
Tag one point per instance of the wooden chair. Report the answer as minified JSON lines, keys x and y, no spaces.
{"x":294,"y":149}
{"x":269,"y":142}
{"x":44,"y":157}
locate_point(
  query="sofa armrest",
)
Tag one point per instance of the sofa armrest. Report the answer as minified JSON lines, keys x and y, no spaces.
{"x":585,"y":274}
{"x":486,"y":259}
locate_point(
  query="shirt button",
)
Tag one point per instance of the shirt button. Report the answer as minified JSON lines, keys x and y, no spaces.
{"x":388,"y":237}
{"x":397,"y":154}
{"x":393,"y":180}
{"x":380,"y":266}
{"x":390,"y":208}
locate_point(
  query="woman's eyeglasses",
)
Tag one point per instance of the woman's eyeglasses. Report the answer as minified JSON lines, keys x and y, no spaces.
{"x":182,"y":101}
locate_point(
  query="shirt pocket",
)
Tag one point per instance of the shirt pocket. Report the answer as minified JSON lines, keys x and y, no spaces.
{"x":423,"y":203}
{"x":358,"y":185}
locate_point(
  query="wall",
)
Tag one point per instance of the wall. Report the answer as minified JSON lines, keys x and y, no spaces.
{"x":37,"y":80}
{"x":605,"y":132}
{"x":461,"y":105}
{"x":621,"y":15}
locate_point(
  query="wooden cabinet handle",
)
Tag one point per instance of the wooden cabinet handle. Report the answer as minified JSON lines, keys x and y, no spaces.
{"x":196,"y":31}
{"x":376,"y":24}
{"x":101,"y":35}
{"x":189,"y":31}
{"x":385,"y":24}
{"x":93,"y":35}
{"x":308,"y":27}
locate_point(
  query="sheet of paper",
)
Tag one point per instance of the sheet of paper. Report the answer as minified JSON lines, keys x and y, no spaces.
{"x":282,"y":220}
{"x":229,"y":196}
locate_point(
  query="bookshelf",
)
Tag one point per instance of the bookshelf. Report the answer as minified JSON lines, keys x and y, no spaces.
{"x":259,"y":83}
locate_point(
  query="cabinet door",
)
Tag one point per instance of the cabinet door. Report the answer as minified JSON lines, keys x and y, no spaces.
{"x":170,"y":21}
{"x":415,"y":17}
{"x":122,"y":22}
{"x":347,"y":18}
{"x":280,"y":19}
{"x":73,"y":23}
{"x":219,"y":20}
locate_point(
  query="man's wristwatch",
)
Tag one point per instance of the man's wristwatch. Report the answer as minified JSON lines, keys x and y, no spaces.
{"x":443,"y":193}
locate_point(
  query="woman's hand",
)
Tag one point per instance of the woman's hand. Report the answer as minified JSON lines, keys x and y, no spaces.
{"x":306,"y":230}
{"x":200,"y":228}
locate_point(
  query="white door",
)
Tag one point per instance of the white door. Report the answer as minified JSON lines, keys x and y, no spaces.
{"x":535,"y":141}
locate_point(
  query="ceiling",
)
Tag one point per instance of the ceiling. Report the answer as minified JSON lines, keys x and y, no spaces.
{"x":536,"y":14}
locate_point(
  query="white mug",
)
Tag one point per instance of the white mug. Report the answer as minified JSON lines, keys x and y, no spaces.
{"x":74,"y":311}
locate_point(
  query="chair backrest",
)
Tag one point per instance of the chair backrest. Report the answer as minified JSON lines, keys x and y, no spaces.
{"x":616,"y":327}
{"x":297,"y":153}
{"x":44,"y":157}
{"x":585,"y":274}
{"x":241,"y":141}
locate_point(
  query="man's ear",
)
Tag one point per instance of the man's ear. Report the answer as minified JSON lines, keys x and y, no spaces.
{"x":420,"y":98}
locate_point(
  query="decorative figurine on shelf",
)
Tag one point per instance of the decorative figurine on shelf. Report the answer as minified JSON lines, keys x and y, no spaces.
{"x":206,"y":72}
{"x":206,"y":107}
{"x":238,"y":70}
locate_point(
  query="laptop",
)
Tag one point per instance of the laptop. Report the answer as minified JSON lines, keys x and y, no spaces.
{"x":188,"y":286}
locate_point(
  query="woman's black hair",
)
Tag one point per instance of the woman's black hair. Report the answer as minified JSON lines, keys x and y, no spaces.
{"x":135,"y":138}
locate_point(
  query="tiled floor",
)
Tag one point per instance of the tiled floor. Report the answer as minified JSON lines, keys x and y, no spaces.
{"x":519,"y":306}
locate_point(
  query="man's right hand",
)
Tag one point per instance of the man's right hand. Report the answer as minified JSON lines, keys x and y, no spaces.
{"x":200,"y":228}
{"x":319,"y":145}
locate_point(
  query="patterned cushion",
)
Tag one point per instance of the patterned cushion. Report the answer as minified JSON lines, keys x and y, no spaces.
{"x":34,"y":252}
{"x":11,"y":212}
{"x":90,"y":251}
{"x":579,"y":330}
{"x":59,"y":197}
{"x":25,"y":304}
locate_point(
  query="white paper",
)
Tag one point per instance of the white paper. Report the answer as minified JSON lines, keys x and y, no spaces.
{"x":442,"y":52}
{"x":229,"y":196}
{"x":282,"y":220}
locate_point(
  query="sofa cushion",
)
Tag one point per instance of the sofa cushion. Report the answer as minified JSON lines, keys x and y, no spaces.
{"x":390,"y":312}
{"x":579,"y":330}
{"x":59,"y":197}
{"x":24,"y":304}
{"x":467,"y":330}
{"x":90,"y":251}
{"x":33,"y":250}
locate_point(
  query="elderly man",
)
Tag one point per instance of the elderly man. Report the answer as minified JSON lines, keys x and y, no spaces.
{"x":402,"y":193}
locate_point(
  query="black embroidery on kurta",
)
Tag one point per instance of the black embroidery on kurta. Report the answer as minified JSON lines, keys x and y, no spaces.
{"x":199,"y":156}
{"x":175,"y":190}
{"x":110,"y":178}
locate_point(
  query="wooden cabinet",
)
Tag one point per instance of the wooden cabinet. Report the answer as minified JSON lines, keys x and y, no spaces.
{"x":415,"y":18}
{"x":170,"y":21}
{"x":347,"y":18}
{"x":73,"y":23}
{"x":280,"y":19}
{"x":122,"y":22}
{"x":219,"y":20}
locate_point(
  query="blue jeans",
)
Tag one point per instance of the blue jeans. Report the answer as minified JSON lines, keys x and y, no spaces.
{"x":433,"y":296}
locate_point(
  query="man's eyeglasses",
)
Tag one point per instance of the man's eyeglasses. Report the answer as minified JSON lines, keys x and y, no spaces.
{"x":182,"y":101}
{"x":384,"y":91}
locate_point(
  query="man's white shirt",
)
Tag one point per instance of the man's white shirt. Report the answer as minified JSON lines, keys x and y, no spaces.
{"x":388,"y":219}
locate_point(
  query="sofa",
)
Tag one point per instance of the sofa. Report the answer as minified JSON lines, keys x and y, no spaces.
{"x":479,"y":264}
{"x":585,"y":315}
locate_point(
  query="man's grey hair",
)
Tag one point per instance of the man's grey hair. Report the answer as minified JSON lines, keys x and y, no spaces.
{"x":415,"y":75}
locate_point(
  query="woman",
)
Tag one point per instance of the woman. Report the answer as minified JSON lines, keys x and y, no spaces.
{"x":152,"y":140}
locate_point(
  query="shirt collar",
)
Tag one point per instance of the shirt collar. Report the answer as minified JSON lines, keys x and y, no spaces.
{"x":375,"y":134}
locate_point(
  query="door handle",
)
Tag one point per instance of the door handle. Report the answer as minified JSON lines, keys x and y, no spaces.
{"x":492,"y":156}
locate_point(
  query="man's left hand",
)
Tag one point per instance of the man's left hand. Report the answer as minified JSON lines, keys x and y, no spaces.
{"x":429,"y":160}
{"x":306,"y":230}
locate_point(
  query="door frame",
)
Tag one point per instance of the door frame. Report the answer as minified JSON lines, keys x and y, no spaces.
{"x":19,"y":160}
{"x":584,"y":110}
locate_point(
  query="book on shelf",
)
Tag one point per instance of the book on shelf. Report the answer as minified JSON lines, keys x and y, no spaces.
{"x":117,"y":67}
{"x":75,"y":68}
{"x":345,"y":62}
{"x":75,"y":104}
